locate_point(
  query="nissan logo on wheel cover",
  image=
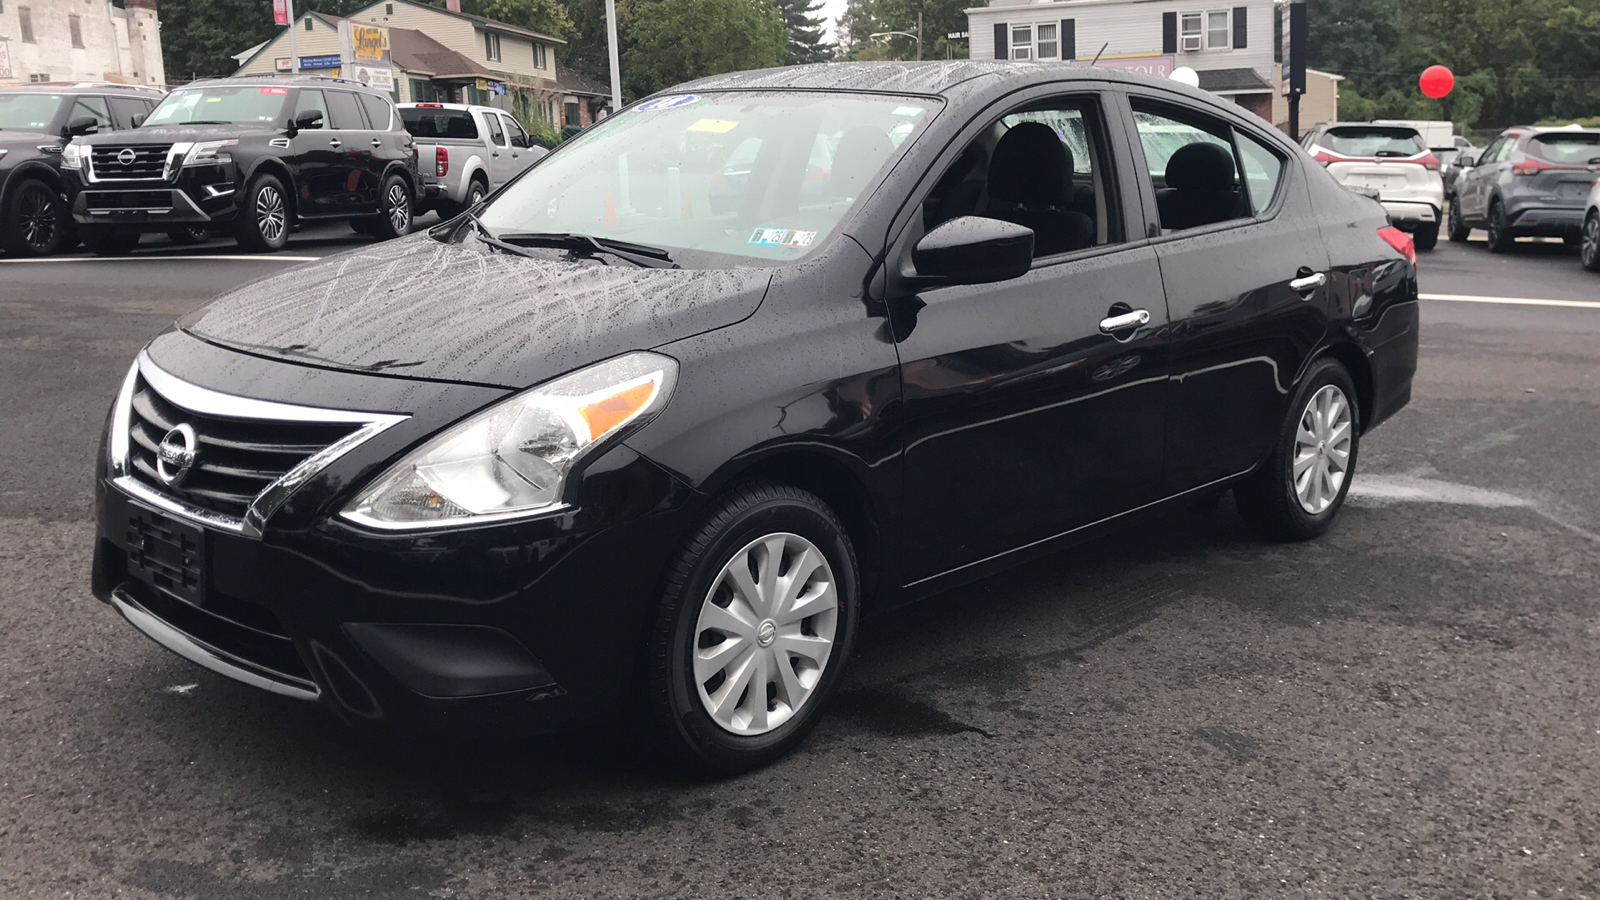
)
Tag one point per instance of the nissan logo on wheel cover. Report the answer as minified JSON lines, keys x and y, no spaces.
{"x":127,"y":156}
{"x":176,"y":454}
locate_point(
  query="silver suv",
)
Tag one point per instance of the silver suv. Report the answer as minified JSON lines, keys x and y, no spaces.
{"x":1529,"y":182}
{"x":1391,"y":160}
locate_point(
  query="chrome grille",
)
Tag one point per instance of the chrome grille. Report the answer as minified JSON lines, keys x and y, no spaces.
{"x":149,"y":161}
{"x":235,"y":459}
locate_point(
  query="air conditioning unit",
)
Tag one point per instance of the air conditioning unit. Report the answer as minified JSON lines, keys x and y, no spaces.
{"x":1191,"y":42}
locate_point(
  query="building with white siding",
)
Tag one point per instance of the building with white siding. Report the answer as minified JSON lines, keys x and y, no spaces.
{"x":1229,"y":46}
{"x":80,"y":40}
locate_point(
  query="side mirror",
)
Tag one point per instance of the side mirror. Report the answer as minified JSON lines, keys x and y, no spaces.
{"x":138,"y":120}
{"x":311,"y":118}
{"x":974,"y":250}
{"x":82,"y":125}
{"x":1466,"y":162}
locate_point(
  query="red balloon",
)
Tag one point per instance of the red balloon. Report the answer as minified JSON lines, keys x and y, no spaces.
{"x":1436,"y":81}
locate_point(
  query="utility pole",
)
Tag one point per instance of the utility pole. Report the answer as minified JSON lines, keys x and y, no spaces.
{"x":294,"y":53}
{"x":919,"y":35}
{"x":611,"y":48}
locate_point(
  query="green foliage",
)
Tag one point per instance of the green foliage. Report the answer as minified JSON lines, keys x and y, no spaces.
{"x":677,"y":40}
{"x":199,"y":37}
{"x":530,"y":115}
{"x":863,"y":18}
{"x":1514,"y":62}
{"x":544,"y":16}
{"x":804,"y":24}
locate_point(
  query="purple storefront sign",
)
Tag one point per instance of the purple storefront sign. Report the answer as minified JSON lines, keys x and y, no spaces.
{"x":1159,"y":66}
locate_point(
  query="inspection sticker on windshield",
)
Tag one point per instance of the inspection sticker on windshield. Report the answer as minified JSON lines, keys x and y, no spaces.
{"x":782,"y":237}
{"x":714,"y":126}
{"x":667,"y":102}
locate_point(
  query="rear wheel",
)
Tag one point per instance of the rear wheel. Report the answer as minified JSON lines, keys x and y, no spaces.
{"x":753,"y":630}
{"x":395,"y":220}
{"x":105,"y":240}
{"x":1590,"y":251}
{"x":1459,"y":232}
{"x":1426,"y":236}
{"x":264,"y":216}
{"x":1301,"y":487}
{"x":35,"y":222}
{"x":1500,"y":239}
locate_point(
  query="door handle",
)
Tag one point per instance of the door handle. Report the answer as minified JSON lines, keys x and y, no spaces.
{"x":1308,"y":283}
{"x":495,"y":154}
{"x":1125,"y":321}
{"x":377,"y":143}
{"x":336,"y":143}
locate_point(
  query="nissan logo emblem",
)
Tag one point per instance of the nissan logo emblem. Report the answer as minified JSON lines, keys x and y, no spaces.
{"x":127,"y":156}
{"x":175,"y":454}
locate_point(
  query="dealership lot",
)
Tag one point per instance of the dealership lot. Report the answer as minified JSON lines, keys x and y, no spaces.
{"x":1403,"y":708}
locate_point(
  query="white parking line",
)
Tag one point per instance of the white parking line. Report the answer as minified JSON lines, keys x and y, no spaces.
{"x":1511,"y":301}
{"x":234,"y":258}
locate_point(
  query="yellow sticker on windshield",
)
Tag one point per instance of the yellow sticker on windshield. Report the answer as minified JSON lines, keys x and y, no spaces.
{"x":213,"y":99}
{"x":714,"y":126}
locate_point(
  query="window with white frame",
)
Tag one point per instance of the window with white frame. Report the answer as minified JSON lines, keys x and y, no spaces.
{"x":1022,"y":42}
{"x":1190,"y":26}
{"x":491,"y":46}
{"x":1209,"y":30}
{"x":1046,"y":46}
{"x":1218,"y":29}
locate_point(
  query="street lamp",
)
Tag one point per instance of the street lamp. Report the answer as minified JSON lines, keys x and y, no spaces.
{"x":915,"y":37}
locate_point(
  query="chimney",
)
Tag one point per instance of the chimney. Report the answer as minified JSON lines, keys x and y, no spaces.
{"x":453,"y":5}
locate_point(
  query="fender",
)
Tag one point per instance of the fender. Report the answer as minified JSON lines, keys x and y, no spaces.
{"x":33,"y":168}
{"x":275,"y":166}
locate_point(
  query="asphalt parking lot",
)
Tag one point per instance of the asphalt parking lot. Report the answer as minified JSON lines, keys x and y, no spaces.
{"x":1405,"y":708}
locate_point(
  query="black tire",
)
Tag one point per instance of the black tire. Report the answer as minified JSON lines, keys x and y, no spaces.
{"x":1459,"y":231}
{"x":105,"y":240}
{"x":188,"y":237}
{"x":1426,"y":237}
{"x":1500,"y":239}
{"x":1268,"y":501}
{"x":395,"y":201}
{"x":1589,"y":253}
{"x":745,"y":514}
{"x":265,"y":216}
{"x":35,"y":222}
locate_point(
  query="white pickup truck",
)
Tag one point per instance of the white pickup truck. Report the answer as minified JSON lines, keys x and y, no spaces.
{"x":464,"y":153}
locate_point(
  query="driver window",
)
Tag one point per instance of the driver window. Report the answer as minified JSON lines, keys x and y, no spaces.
{"x":311,"y":101}
{"x":1043,"y":167}
{"x":519,"y":138}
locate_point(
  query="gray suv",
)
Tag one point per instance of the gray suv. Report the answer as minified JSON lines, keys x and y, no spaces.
{"x":1529,"y":182}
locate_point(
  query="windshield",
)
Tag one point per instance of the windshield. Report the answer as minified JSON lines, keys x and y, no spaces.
{"x":758,"y":176}
{"x":28,"y":112}
{"x":1577,"y":148}
{"x":428,"y":122}
{"x":1372,"y":142}
{"x":250,"y":104}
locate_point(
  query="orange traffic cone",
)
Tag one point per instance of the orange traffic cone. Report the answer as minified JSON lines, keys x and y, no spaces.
{"x":609,"y":219}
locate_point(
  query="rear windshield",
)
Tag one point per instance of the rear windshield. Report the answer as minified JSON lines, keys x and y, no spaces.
{"x":1372,"y":141}
{"x":1574,"y":149}
{"x":437,"y":123}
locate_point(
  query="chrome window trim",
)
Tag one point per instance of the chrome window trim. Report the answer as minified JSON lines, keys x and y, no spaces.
{"x":208,"y":402}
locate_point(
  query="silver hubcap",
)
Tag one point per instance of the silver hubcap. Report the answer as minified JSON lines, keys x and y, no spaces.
{"x":399,"y":208}
{"x":269,"y":213}
{"x":1591,"y":240}
{"x":764,"y":634}
{"x":1322,"y":449}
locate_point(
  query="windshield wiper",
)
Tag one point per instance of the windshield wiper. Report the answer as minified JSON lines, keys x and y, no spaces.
{"x":205,"y":122}
{"x":487,"y":236}
{"x":588,"y":245}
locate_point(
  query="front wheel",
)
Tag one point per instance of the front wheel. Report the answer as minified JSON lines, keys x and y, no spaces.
{"x":1459,"y":232}
{"x":35,"y":222}
{"x":1297,"y":492}
{"x":753,"y":630}
{"x":1426,"y":236}
{"x":264,"y":216}
{"x":1500,"y":239}
{"x":1589,"y":253}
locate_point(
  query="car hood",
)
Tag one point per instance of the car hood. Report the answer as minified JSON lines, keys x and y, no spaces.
{"x":462,"y":312}
{"x":170,"y":134}
{"x":13,"y":138}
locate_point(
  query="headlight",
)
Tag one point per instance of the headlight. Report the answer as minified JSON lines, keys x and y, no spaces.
{"x":71,"y":156}
{"x":513,"y":458}
{"x":207,"y":152}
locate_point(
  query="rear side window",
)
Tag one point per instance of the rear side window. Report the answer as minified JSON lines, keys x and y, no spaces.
{"x":1572,"y":149}
{"x":346,"y":113}
{"x":1263,"y":172}
{"x":1372,"y":141}
{"x":1196,"y":171}
{"x":428,"y":122}
{"x":377,"y":111}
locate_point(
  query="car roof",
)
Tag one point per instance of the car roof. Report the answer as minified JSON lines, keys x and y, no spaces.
{"x":936,"y":78}
{"x":79,"y":87}
{"x":288,"y":79}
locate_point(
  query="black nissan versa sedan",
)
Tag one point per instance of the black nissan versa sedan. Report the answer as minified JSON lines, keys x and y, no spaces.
{"x":592,"y":442}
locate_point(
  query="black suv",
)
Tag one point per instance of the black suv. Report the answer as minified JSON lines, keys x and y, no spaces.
{"x":36,"y":121}
{"x":255,"y":155}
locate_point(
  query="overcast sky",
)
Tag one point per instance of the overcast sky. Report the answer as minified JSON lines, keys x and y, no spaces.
{"x":831,"y":11}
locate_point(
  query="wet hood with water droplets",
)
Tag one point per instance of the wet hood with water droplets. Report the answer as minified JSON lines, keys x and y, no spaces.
{"x":418,"y":308}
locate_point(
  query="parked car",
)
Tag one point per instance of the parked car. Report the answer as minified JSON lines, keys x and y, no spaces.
{"x":36,"y":121}
{"x":465,"y":153}
{"x":567,"y":452}
{"x":1529,"y":182}
{"x":254,"y":155}
{"x":1450,"y":166}
{"x":1391,"y":159}
{"x":1590,"y":250}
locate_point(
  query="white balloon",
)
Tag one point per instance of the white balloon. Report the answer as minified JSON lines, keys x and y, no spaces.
{"x":1185,"y":75}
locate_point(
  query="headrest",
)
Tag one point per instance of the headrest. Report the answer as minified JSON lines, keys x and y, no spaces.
{"x":1202,"y":168}
{"x":1031,"y":164}
{"x":859,"y":156}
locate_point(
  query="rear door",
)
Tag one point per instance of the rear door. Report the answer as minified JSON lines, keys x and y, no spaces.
{"x":499,"y":147}
{"x":354,"y":165}
{"x":1246,"y":276}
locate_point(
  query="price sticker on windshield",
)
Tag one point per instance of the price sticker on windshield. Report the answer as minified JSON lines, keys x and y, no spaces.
{"x":661,"y":103}
{"x":275,"y":90}
{"x":782,"y":237}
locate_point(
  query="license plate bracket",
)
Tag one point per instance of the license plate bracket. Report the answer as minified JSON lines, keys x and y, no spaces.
{"x":167,"y":554}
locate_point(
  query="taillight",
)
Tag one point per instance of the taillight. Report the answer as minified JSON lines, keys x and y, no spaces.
{"x":1400,"y":241}
{"x":1430,"y":162}
{"x":1530,"y":166}
{"x":441,"y":162}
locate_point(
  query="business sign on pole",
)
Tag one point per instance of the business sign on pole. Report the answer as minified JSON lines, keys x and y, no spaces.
{"x":364,"y":54}
{"x":1296,"y":30}
{"x":5,"y":58}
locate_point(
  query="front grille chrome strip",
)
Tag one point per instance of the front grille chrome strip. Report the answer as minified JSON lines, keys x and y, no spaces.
{"x":204,"y":401}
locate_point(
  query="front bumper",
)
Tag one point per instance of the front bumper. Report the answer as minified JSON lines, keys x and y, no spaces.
{"x":202,"y":195}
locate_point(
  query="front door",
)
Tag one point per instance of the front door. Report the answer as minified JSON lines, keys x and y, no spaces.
{"x":1025,"y":418}
{"x":1246,"y":283}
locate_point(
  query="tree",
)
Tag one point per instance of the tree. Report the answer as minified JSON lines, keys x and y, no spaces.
{"x":805,"y":31}
{"x":863,"y":18}
{"x":544,"y":16}
{"x":678,"y":40}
